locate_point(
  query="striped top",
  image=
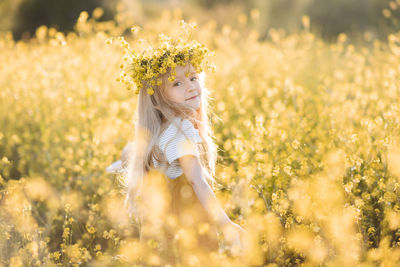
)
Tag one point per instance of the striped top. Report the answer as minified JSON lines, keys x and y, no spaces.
{"x":174,"y":142}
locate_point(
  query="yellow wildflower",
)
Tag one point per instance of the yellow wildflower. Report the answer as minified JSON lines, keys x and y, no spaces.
{"x":150,"y":91}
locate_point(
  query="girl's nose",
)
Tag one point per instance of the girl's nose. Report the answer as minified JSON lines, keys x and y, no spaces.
{"x":191,"y":87}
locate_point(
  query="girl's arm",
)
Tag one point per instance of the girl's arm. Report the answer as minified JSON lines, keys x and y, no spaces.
{"x":193,"y":172}
{"x":192,"y":169}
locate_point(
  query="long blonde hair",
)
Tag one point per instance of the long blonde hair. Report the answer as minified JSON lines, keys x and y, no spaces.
{"x":154,"y":113}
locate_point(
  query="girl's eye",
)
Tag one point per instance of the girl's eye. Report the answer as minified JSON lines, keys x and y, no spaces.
{"x":176,"y":84}
{"x":192,"y":79}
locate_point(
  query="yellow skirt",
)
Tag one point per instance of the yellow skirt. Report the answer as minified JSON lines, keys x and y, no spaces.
{"x":182,"y":228}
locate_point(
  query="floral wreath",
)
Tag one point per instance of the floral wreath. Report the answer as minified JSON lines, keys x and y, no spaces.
{"x":144,"y":69}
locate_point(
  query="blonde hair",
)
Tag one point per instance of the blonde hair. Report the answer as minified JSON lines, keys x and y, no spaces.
{"x":154,"y":113}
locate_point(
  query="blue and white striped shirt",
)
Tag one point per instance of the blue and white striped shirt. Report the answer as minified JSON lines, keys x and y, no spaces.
{"x":174,"y":143}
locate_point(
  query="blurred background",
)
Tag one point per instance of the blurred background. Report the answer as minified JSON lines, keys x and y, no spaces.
{"x":305,"y":111}
{"x":328,"y":18}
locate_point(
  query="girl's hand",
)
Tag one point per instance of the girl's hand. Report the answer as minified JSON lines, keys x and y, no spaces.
{"x":233,"y":235}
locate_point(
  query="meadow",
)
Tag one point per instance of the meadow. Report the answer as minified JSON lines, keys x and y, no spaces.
{"x":308,"y":137}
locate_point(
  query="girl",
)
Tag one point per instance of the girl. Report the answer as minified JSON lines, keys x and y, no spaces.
{"x":169,"y":167}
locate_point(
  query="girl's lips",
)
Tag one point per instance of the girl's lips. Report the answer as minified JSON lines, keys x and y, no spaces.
{"x":192,"y":97}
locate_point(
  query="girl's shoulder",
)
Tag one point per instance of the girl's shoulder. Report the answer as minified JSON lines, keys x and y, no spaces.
{"x":179,"y":127}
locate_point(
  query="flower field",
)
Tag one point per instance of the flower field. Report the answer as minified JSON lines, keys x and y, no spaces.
{"x":308,"y":135}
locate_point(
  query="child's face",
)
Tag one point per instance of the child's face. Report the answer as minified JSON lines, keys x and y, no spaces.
{"x":185,"y":90}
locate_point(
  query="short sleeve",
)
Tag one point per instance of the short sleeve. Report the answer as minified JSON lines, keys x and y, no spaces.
{"x":175,"y":142}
